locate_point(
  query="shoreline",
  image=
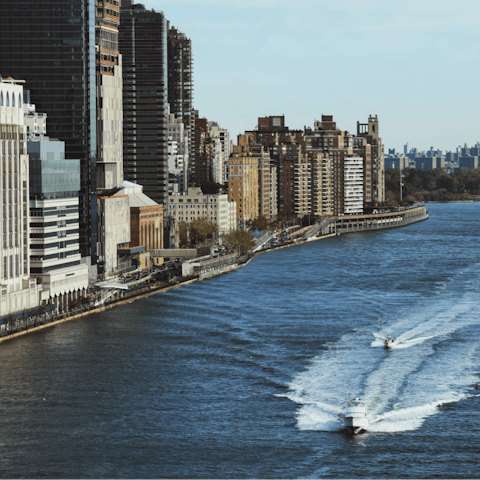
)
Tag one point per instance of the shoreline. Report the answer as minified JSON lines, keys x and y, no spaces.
{"x":162,"y":289}
{"x":154,"y":291}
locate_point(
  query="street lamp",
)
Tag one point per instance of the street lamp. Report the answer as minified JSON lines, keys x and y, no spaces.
{"x":401,"y":185}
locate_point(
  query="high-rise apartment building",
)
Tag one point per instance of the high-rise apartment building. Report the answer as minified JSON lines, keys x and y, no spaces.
{"x":67,"y":52}
{"x":286,"y":148}
{"x":315,"y":166}
{"x":109,"y":96}
{"x":267,"y":175}
{"x":376,"y":169}
{"x":18,"y":291}
{"x":221,"y":138}
{"x":338,"y":144}
{"x":320,"y":179}
{"x":353,"y":185}
{"x":180,"y":82}
{"x":178,"y":148}
{"x":243,"y":184}
{"x":202,"y":169}
{"x":143,"y":44}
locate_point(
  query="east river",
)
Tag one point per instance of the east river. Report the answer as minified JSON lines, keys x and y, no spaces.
{"x":246,"y":375}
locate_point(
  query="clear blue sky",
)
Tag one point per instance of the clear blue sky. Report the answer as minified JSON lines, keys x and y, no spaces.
{"x":414,"y":63}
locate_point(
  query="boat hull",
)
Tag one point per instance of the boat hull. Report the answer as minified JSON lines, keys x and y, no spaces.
{"x":356,"y":425}
{"x":355,"y":430}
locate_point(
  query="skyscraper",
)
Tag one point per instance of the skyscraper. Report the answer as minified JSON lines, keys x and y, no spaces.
{"x":51,"y":45}
{"x":67,"y":52}
{"x":143,"y":44}
{"x":180,"y":83}
{"x":376,"y":169}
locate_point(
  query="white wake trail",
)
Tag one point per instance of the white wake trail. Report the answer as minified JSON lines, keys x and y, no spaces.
{"x":433,"y":363}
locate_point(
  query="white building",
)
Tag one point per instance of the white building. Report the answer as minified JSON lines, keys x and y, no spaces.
{"x":113,"y":230}
{"x":193,"y":205}
{"x":110,"y":129}
{"x":18,"y":291}
{"x":353,"y":181}
{"x":273,"y":192}
{"x":54,"y":220}
{"x":113,"y":209}
{"x":35,"y":122}
{"x":222,"y":149}
{"x":178,"y":158}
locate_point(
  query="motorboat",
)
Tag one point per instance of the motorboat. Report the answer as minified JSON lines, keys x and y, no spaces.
{"x":389,"y":342}
{"x":355,"y":419}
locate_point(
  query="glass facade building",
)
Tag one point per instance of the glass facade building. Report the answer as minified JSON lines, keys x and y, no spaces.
{"x":143,"y":45}
{"x":51,"y":176}
{"x":51,"y":45}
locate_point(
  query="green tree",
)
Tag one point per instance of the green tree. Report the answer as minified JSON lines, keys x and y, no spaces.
{"x":243,"y":238}
{"x":259,"y":223}
{"x":433,"y":185}
{"x":210,"y":188}
{"x":200,"y":229}
{"x":183,"y":232}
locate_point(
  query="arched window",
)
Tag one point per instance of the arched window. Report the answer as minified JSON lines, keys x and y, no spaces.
{"x":19,"y":100}
{"x":13,"y":100}
{"x":8,"y":101}
{"x":1,"y":99}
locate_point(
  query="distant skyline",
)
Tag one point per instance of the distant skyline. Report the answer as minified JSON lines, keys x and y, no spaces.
{"x":413,"y":63}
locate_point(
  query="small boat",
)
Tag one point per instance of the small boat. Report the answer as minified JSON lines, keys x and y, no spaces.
{"x":355,"y":419}
{"x":389,"y":343}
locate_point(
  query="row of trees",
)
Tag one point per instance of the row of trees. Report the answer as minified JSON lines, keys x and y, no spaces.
{"x":432,"y":185}
{"x":201,"y":229}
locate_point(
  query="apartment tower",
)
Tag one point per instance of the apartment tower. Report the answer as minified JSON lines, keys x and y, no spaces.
{"x":180,"y":83}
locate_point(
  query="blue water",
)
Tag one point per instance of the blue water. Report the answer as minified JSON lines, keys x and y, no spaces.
{"x":246,"y":375}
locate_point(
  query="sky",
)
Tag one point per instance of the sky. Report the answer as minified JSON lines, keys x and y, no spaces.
{"x":414,"y":63}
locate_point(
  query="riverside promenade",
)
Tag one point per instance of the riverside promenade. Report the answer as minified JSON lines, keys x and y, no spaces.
{"x":326,"y":228}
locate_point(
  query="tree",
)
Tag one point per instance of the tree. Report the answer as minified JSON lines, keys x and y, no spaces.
{"x":183,"y":232}
{"x":432,"y":185}
{"x":243,"y":238}
{"x":210,"y":188}
{"x":259,"y":223}
{"x":201,"y":228}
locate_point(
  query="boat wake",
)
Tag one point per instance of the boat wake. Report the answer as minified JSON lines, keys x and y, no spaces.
{"x":399,"y":342}
{"x":432,"y":363}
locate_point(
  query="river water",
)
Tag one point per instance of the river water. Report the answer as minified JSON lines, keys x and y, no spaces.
{"x":246,"y":375}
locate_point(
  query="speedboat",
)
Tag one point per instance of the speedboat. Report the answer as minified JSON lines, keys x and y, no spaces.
{"x":355,"y":419}
{"x":389,"y":343}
